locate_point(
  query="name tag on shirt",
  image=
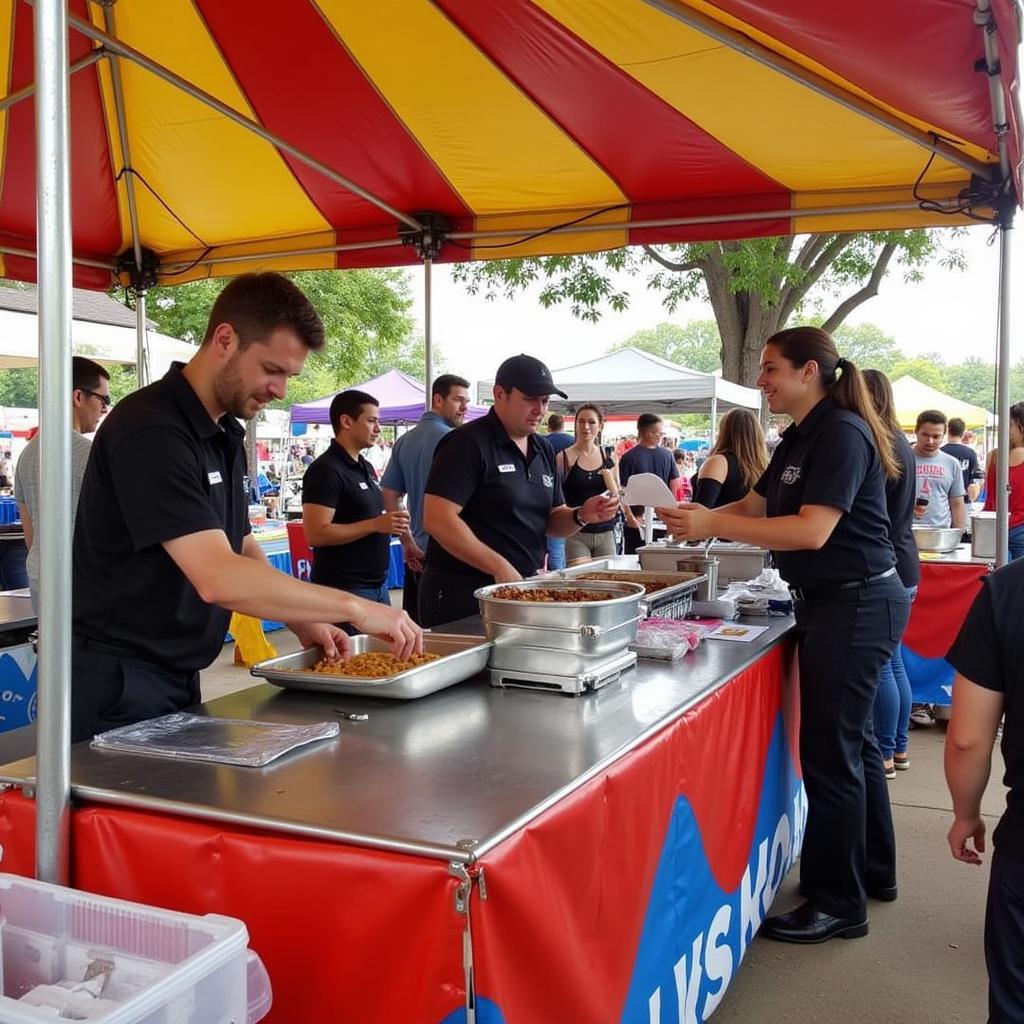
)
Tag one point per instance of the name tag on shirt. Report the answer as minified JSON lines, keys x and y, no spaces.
{"x":363,"y":487}
{"x":508,"y":467}
{"x":214,"y":477}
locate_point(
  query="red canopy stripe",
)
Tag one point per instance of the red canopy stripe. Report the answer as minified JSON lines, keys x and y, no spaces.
{"x":325,"y":87}
{"x":93,"y":196}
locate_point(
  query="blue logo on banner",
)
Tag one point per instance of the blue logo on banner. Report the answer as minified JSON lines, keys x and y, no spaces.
{"x":931,"y":679}
{"x":694,"y":934}
{"x":17,"y":689}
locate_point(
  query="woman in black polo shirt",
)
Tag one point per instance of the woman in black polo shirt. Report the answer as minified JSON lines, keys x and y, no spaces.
{"x":820,"y":506}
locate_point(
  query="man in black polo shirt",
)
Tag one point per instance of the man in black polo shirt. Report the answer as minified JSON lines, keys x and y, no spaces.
{"x":987,"y":656}
{"x":343,"y":508}
{"x":162,"y":550}
{"x":493,"y":495}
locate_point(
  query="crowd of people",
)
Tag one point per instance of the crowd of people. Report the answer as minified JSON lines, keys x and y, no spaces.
{"x":163,"y":553}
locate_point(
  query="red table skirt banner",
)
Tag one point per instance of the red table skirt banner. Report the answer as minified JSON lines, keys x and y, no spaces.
{"x":943,"y":600}
{"x":346,"y":934}
{"x":635,"y":899}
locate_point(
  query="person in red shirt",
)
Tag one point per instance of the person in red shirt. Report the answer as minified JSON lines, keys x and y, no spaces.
{"x":1016,"y":460}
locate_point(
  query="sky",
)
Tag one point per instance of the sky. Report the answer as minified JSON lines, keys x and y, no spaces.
{"x":950,"y":312}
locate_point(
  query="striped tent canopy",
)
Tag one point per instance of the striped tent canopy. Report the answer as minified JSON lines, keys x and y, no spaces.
{"x":327,"y":133}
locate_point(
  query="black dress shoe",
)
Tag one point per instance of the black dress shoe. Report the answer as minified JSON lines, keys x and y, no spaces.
{"x":807,"y":925}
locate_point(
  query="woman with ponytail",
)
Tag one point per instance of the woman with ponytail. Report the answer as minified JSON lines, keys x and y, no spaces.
{"x":820,"y":507}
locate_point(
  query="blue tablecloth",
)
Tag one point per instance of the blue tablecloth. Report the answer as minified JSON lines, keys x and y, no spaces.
{"x":396,"y":567}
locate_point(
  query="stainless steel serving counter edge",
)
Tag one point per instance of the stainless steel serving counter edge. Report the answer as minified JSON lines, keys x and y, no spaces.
{"x":449,"y":776}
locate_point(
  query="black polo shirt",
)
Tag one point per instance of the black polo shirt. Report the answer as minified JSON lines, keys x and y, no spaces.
{"x":159,"y":469}
{"x":506,"y":497}
{"x":830,"y":459}
{"x":350,"y":487}
{"x":990,"y":651}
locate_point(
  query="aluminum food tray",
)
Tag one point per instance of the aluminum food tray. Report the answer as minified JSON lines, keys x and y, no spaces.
{"x":672,"y":602}
{"x":586,"y":628}
{"x":460,"y":657}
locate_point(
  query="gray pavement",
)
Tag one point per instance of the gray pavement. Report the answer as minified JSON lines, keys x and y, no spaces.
{"x":922,"y":962}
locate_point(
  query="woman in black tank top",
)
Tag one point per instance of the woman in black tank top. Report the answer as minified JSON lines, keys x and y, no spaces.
{"x":587,"y":471}
{"x":736,"y":462}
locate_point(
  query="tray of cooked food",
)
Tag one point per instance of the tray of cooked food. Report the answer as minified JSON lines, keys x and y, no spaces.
{"x":667,"y":595}
{"x":593,"y":620}
{"x":371,"y":670}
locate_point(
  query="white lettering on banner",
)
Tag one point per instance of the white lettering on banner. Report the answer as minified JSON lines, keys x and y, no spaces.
{"x":715,"y":953}
{"x":718,"y":958}
{"x":654,"y":1007}
{"x":507,"y":467}
{"x":688,"y":982}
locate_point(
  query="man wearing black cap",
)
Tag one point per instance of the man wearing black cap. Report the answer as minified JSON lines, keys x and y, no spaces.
{"x":493,"y":495}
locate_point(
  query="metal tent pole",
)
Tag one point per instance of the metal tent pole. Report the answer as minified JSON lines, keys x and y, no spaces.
{"x":53,"y":530}
{"x":1003,"y":399}
{"x":141,"y":348}
{"x":714,"y":421}
{"x":428,"y":331}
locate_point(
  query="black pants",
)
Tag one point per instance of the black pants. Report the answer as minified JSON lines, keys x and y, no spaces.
{"x":1004,"y":940}
{"x":632,"y":539}
{"x":844,"y":640}
{"x":109,"y":690}
{"x":411,"y":595}
{"x":447,"y":596}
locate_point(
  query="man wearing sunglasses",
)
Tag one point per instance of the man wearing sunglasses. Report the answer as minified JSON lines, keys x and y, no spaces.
{"x":90,"y":400}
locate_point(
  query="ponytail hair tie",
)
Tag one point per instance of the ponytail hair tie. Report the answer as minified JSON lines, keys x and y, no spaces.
{"x":841,"y":364}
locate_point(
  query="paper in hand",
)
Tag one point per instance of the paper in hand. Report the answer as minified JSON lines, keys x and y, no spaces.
{"x":649,"y":490}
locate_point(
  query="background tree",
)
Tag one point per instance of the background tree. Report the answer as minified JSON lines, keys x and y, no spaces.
{"x":928,"y":369}
{"x":868,"y":346}
{"x":695,"y":345}
{"x":366,"y":319}
{"x":754,"y":287}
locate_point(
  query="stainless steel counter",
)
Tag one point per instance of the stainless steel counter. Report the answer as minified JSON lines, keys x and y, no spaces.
{"x":446,"y":776}
{"x":16,"y":613}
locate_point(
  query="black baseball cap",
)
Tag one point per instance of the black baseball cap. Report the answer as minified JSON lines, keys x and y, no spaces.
{"x":527,"y":374}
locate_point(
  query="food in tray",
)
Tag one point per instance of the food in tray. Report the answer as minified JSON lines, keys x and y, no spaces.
{"x":550,"y":595}
{"x":651,"y":586}
{"x":369,"y":665}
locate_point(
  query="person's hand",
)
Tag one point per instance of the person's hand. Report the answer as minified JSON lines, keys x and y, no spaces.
{"x":412,"y":553}
{"x":961,"y":833}
{"x":599,"y":509}
{"x":506,"y":572}
{"x":919,"y":511}
{"x":391,"y":624}
{"x":688,"y":521}
{"x":631,"y":520}
{"x":393,"y":522}
{"x":334,"y":641}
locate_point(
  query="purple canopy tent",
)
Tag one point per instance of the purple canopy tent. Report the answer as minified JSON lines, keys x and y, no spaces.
{"x":401,"y":399}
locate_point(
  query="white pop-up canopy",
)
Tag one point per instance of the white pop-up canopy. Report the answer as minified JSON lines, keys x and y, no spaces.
{"x":101,"y":329}
{"x":632,"y":381}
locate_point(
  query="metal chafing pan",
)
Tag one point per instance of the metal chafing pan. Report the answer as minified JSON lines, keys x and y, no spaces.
{"x":587,"y":628}
{"x":672,"y":601}
{"x":459,"y":658}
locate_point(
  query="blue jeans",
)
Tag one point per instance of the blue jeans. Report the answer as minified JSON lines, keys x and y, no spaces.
{"x":379,"y":594}
{"x":1015,"y":538}
{"x":556,"y":552}
{"x":13,"y":575}
{"x":892,"y":703}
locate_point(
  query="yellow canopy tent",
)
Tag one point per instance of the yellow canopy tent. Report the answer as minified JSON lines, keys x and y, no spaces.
{"x":913,"y":397}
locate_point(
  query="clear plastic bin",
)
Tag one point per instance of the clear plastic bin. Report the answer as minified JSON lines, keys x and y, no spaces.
{"x":132,"y":964}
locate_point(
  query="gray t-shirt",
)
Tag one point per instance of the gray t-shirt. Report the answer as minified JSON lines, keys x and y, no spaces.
{"x":26,"y":490}
{"x":939,"y":478}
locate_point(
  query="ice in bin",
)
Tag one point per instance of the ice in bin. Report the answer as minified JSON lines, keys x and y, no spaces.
{"x":115,"y":962}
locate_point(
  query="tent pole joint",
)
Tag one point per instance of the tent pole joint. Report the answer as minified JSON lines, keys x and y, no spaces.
{"x":140,"y":279}
{"x":428,"y":239}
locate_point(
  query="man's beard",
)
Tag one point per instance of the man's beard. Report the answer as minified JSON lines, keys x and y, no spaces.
{"x":230,"y":394}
